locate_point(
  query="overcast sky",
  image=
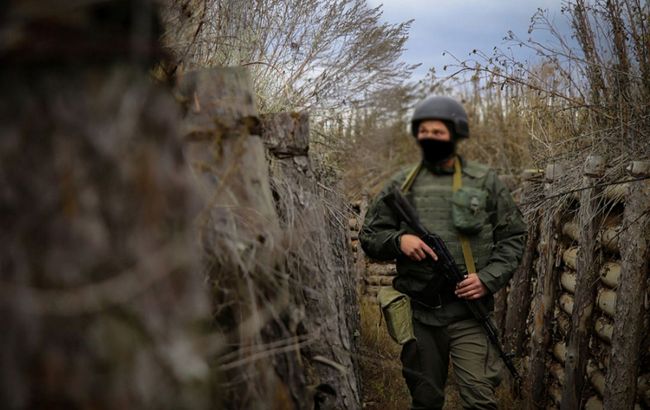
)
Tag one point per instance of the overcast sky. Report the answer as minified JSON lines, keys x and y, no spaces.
{"x":459,"y":26}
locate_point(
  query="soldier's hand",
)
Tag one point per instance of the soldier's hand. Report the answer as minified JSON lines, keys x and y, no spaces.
{"x":471,"y":288}
{"x":415,"y":248}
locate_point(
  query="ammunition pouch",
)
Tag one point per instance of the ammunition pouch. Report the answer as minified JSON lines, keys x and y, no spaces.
{"x":396,"y":309}
{"x":468,"y":210}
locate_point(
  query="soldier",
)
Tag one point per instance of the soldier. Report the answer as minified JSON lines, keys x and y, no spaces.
{"x":477,"y":218}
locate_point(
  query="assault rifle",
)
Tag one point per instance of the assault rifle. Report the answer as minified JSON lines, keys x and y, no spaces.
{"x":396,"y":201}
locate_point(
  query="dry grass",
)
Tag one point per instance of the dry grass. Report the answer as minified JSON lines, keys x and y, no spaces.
{"x":576,"y":100}
{"x":318,"y":57}
{"x":381,"y":370}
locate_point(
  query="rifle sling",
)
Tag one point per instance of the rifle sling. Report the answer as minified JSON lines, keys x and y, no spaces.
{"x":464,"y":242}
{"x":408,"y":182}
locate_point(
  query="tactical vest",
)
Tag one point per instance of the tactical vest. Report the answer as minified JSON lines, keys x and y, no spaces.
{"x":431,"y":194}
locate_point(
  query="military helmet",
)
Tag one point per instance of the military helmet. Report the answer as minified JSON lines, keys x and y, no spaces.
{"x":441,"y":108}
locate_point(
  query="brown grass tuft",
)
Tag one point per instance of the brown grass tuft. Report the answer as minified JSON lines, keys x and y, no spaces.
{"x":381,"y":370}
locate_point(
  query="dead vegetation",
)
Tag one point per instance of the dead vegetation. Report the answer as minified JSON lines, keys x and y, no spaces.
{"x":381,"y":369}
{"x":303,"y":55}
{"x":589,"y":98}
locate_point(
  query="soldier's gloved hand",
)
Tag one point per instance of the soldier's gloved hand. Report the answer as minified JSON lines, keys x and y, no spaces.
{"x":415,"y":248}
{"x":471,"y":288}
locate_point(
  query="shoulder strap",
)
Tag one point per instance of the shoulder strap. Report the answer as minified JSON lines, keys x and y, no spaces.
{"x":408,"y":182}
{"x":464,"y":242}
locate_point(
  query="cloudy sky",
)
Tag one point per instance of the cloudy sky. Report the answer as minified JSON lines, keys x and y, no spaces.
{"x":459,"y":26}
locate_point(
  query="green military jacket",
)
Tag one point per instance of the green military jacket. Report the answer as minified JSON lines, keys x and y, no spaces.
{"x":497,"y":241}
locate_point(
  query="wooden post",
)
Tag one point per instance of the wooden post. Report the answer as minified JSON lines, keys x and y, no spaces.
{"x":500,"y":308}
{"x":587,"y":271}
{"x":361,"y":260}
{"x":322,"y":283}
{"x":220,"y":118}
{"x":276,"y":240}
{"x":518,"y":305}
{"x":238,"y":227}
{"x":621,"y":379}
{"x":544,"y":297}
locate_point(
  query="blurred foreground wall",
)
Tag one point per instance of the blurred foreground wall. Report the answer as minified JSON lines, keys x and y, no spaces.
{"x":274,"y":239}
{"x":101,"y":298}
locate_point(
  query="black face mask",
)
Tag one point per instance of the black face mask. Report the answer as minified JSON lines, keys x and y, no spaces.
{"x":435,"y":151}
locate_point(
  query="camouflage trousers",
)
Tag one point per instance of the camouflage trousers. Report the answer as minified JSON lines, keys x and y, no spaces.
{"x":475,"y":362}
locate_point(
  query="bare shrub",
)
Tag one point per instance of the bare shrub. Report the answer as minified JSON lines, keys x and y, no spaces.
{"x":303,"y":55}
{"x":580,"y":98}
